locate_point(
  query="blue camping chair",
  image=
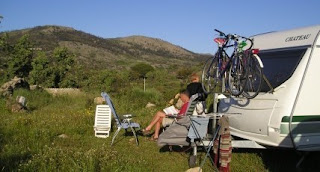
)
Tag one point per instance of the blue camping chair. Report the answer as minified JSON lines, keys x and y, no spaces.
{"x":125,"y":123}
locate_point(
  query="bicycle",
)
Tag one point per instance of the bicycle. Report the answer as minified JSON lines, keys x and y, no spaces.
{"x":223,"y":66}
{"x":254,"y":68}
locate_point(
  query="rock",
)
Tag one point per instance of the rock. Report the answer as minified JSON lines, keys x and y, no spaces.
{"x":63,"y":91}
{"x":17,"y":107}
{"x":131,"y":140}
{"x":35,"y":87}
{"x":195,"y":169}
{"x":8,"y":87}
{"x":64,"y":136}
{"x":171,"y":102}
{"x":14,"y":105}
{"x":150,"y":105}
{"x":177,"y":96}
{"x":21,"y":100}
{"x":176,"y":101}
{"x":99,"y":100}
{"x":179,"y":104}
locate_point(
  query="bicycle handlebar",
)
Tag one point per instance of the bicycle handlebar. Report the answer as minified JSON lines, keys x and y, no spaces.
{"x":248,"y":39}
{"x":221,"y":33}
{"x":235,"y":37}
{"x":228,"y":36}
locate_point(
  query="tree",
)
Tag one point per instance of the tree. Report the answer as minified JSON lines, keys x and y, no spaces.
{"x":20,"y":60}
{"x":142,"y":69}
{"x":184,"y":73}
{"x":63,"y":62}
{"x":5,"y":47}
{"x":40,"y":69}
{"x":56,"y":71}
{"x":5,"y":50}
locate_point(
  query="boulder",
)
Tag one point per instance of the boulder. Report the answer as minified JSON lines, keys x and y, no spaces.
{"x":99,"y":100}
{"x":35,"y":87}
{"x":171,"y":102}
{"x":7,"y":88}
{"x":179,"y":104}
{"x":150,"y":105}
{"x":17,"y":107}
{"x":21,"y":100}
{"x":64,"y":136}
{"x":195,"y":169}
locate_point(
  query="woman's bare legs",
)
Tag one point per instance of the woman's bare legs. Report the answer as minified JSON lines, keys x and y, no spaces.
{"x":157,"y":129}
{"x":157,"y":120}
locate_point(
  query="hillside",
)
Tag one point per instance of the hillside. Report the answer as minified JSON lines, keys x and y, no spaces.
{"x":96,"y":52}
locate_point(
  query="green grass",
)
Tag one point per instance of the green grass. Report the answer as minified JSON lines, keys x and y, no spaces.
{"x":30,"y":141}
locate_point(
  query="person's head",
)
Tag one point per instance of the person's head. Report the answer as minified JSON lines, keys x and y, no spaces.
{"x":194,"y":77}
{"x":184,"y":96}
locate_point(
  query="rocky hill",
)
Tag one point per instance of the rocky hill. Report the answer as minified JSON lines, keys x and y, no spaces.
{"x":96,"y":52}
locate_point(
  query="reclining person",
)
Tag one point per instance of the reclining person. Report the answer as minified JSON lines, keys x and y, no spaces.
{"x":194,"y":87}
{"x":161,"y":117}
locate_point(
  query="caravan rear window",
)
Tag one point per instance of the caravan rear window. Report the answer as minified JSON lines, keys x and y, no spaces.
{"x":279,"y":65}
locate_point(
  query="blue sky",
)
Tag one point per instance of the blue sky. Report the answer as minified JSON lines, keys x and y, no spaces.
{"x":187,"y":23}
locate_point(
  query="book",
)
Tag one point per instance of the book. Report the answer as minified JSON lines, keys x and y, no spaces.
{"x":171,"y":110}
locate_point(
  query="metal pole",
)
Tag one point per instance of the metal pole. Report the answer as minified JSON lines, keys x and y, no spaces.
{"x":144,"y":84}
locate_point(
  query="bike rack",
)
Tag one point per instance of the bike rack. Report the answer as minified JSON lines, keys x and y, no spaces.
{"x":264,"y":77}
{"x":268,"y":83}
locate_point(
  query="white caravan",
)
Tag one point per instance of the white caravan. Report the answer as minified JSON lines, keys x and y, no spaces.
{"x":290,"y":115}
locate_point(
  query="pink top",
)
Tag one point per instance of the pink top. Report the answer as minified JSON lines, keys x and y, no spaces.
{"x":183,"y":109}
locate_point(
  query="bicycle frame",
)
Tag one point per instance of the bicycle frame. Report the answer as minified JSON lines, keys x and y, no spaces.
{"x":222,"y":55}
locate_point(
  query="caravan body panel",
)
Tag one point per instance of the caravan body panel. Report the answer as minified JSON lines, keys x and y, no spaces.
{"x":291,"y":63}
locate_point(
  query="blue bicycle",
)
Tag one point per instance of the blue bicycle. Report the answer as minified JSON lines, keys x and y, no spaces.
{"x":222,"y":67}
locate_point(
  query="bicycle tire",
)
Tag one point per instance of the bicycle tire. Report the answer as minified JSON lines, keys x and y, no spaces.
{"x":237,"y":77}
{"x":254,"y":79}
{"x":210,"y":74}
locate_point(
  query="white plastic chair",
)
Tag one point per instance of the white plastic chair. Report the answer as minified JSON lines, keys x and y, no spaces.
{"x":102,"y":122}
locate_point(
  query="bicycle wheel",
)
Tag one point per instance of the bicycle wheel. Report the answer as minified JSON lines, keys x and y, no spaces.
{"x":210,"y":74}
{"x":254,"y":76}
{"x":237,"y":77}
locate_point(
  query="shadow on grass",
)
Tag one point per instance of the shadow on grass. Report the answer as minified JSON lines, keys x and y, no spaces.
{"x":10,"y":162}
{"x":186,"y":149}
{"x":285,"y":159}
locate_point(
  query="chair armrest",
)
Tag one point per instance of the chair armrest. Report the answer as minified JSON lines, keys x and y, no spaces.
{"x":127,"y":116}
{"x":171,"y":116}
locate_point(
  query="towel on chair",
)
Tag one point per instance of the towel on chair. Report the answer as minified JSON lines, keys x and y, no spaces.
{"x":222,"y":147}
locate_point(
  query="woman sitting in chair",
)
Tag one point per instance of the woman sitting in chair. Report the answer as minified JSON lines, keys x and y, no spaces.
{"x":161,"y":117}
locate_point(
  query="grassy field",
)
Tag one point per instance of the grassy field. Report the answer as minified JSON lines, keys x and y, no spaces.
{"x":32,"y":141}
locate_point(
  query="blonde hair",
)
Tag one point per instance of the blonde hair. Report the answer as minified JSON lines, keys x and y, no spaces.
{"x":194,"y":77}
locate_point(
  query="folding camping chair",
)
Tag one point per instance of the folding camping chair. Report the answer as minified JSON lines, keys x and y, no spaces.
{"x":176,"y":133}
{"x":125,"y":123}
{"x":198,"y":134}
{"x":102,"y":122}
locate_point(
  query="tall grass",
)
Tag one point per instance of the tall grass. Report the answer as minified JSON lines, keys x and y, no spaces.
{"x":32,"y":141}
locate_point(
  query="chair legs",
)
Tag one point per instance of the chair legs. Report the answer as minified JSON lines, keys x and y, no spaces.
{"x":133,"y":131}
{"x":115,"y":135}
{"x":135,"y":135}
